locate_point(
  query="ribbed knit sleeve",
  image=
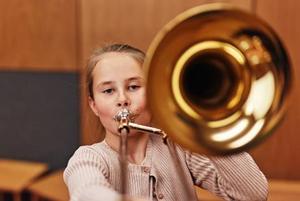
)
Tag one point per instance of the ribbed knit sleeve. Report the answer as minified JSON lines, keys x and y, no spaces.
{"x":86,"y":177}
{"x":234,"y":177}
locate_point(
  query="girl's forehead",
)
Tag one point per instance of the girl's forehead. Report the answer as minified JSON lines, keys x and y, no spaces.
{"x":117,"y":65}
{"x":115,"y":56}
{"x":117,"y":59}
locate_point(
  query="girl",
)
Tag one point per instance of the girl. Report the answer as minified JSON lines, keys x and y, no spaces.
{"x":116,"y":81}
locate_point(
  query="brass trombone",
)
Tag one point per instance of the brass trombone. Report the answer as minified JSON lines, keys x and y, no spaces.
{"x":217,"y":80}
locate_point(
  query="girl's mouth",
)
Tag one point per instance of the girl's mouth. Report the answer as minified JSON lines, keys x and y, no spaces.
{"x":125,"y":114}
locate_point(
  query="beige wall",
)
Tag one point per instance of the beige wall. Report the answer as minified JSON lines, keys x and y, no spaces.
{"x":59,"y":35}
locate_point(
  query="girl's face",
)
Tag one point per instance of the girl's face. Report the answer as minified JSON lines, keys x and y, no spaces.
{"x":118,"y":82}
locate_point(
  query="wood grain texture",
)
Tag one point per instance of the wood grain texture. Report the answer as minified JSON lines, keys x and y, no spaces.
{"x":133,"y":21}
{"x":38,"y":35}
{"x":278,"y":156}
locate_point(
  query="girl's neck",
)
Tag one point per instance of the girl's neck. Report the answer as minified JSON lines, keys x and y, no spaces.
{"x":136,"y":146}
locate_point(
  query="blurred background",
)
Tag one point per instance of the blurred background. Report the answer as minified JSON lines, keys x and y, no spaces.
{"x":44,"y":46}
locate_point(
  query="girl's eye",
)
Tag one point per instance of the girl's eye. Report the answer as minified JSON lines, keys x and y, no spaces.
{"x":133,"y":87}
{"x":108,"y":91}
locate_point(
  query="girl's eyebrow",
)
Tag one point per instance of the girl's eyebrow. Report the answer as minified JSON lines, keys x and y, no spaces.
{"x":104,"y":83}
{"x":135,"y":78}
{"x":111,"y":82}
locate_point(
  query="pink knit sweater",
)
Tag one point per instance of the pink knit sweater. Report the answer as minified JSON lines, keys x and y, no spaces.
{"x":93,"y":174}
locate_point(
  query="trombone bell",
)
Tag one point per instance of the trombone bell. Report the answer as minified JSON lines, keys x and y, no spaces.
{"x":218,"y":79}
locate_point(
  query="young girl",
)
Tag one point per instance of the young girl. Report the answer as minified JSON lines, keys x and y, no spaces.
{"x":116,"y":81}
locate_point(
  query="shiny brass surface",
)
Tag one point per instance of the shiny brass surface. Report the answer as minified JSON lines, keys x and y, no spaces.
{"x":218,"y":79}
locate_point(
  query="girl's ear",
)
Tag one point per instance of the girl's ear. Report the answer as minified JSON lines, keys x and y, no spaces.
{"x":93,"y":106}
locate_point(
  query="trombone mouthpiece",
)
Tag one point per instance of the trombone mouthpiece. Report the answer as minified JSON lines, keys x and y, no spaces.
{"x":122,"y":114}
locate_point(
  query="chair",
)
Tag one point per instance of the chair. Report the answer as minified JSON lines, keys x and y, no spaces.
{"x":16,"y":175}
{"x":50,"y":187}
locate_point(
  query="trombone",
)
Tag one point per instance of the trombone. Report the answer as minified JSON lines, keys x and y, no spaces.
{"x":218,"y":80}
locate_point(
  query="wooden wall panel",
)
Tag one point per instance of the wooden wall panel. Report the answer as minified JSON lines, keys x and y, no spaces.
{"x":38,"y":35}
{"x":279,"y":156}
{"x":133,"y":21}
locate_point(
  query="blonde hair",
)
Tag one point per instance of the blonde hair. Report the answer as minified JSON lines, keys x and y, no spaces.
{"x":136,"y":54}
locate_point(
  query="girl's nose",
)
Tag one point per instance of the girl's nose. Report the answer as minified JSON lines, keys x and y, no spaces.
{"x":123,"y":100}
